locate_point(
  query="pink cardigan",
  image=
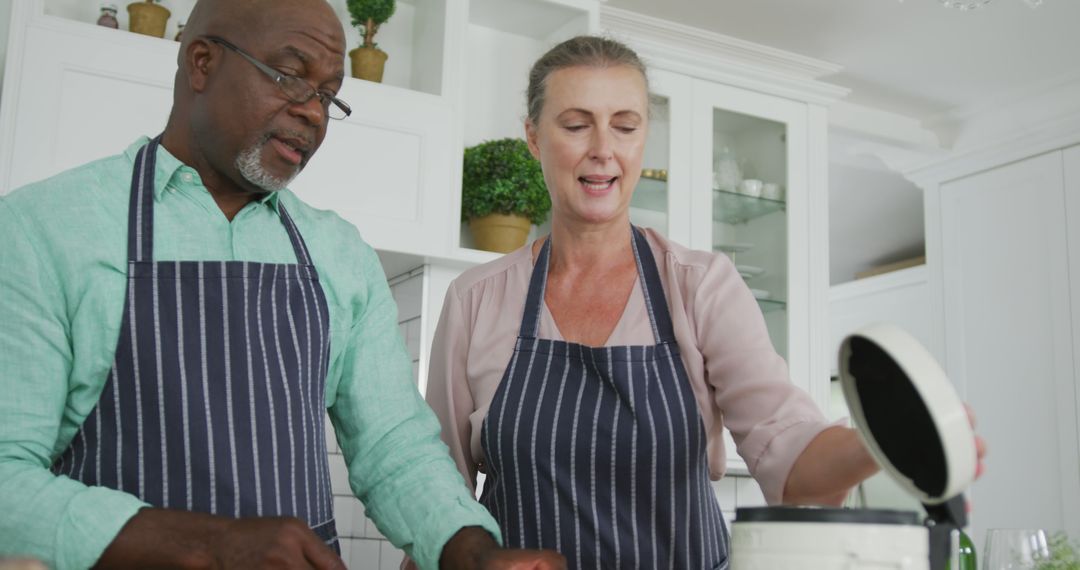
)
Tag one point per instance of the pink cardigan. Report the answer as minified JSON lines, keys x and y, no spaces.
{"x":738,"y":379}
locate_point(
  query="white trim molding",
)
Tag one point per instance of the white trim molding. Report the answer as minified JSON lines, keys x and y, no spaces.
{"x":724,"y":59}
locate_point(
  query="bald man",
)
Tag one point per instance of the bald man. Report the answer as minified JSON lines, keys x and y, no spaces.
{"x":175,"y":325}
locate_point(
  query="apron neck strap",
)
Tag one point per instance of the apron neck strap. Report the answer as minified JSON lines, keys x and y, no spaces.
{"x":141,"y":205}
{"x":648,"y":274}
{"x":141,"y":210}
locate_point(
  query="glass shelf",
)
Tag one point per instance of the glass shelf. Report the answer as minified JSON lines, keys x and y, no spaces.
{"x":650,"y":194}
{"x":770,"y":305}
{"x":734,"y":208}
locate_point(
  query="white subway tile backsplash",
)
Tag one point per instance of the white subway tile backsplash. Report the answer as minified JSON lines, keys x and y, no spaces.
{"x":409,"y":295}
{"x":371,"y":531}
{"x":339,"y":475}
{"x":412,"y":338}
{"x":346,"y":549}
{"x":365,"y":554}
{"x":343,"y":516}
{"x":331,"y":437}
{"x":390,"y":557}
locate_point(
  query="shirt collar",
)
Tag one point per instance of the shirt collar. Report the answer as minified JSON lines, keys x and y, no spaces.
{"x":170,"y":170}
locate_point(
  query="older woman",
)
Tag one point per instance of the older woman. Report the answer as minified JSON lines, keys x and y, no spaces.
{"x":590,"y":374}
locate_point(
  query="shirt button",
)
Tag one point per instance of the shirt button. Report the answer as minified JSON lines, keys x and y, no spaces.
{"x":186,"y":177}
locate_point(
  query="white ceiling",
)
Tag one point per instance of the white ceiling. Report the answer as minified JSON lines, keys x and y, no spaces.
{"x":911,"y":57}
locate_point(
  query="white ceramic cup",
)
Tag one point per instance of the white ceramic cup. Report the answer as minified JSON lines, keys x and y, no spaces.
{"x":750,"y":187}
{"x":772,"y":191}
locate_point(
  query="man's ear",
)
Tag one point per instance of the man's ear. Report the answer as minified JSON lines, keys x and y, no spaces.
{"x":200,"y":58}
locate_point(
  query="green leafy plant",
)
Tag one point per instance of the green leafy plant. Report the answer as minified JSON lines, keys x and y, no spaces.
{"x":368,"y":15}
{"x":502,"y":177}
{"x":1064,"y":554}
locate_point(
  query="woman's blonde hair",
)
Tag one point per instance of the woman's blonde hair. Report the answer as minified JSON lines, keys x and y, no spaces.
{"x":589,"y":51}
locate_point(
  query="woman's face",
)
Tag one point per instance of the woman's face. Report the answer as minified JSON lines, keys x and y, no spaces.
{"x":589,"y":139}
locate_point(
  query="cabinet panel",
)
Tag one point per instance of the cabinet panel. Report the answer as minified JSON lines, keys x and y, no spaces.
{"x":386,"y":169}
{"x":740,"y":135}
{"x":77,"y":92}
{"x":900,"y":298}
{"x":1009,"y":345}
{"x":662,"y":198}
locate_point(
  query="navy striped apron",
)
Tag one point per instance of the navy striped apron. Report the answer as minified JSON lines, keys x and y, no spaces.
{"x":215,"y":401}
{"x":599,"y":453}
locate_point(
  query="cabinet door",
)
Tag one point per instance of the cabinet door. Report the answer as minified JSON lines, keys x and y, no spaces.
{"x":1008,"y":339}
{"x":662,"y":198}
{"x":743,"y":141}
{"x":75,"y":92}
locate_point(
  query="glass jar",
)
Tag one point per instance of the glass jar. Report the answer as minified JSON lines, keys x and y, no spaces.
{"x":108,"y":16}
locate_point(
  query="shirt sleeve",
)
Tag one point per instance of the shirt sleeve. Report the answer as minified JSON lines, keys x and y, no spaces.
{"x":398,"y":465}
{"x":771,"y":420}
{"x":448,"y":390}
{"x":52,"y":518}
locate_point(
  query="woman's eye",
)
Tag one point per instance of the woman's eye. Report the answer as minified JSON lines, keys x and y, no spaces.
{"x":574,"y":128}
{"x":626,"y":130}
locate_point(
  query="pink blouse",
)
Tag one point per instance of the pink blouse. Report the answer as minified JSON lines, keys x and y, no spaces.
{"x":738,"y":379}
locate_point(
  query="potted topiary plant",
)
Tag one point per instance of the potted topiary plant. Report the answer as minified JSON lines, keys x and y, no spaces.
{"x":367,"y":15}
{"x":502,"y":194}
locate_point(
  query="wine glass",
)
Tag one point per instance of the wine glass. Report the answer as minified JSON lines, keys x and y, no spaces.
{"x":1015,"y":548}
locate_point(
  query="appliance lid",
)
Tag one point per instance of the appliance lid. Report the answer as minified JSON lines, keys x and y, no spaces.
{"x":825,"y":515}
{"x":907,"y":413}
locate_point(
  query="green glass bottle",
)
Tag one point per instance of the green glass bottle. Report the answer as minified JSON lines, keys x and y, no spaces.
{"x":967,"y":554}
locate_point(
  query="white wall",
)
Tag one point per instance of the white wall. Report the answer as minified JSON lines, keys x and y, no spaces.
{"x":5,"y":21}
{"x":875,"y":217}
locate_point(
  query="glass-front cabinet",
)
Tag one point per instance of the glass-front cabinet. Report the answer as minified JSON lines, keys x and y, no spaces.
{"x":726,"y":169}
{"x":749,"y":202}
{"x":750,"y":225}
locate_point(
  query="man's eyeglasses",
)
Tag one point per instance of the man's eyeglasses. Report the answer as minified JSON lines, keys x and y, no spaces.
{"x":296,"y":89}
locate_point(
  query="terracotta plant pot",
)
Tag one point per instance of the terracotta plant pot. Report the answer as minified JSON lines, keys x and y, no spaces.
{"x":148,"y":18}
{"x":500,"y":232}
{"x":368,"y":63}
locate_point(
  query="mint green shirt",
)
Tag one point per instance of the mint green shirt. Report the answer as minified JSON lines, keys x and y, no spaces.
{"x":63,"y":258}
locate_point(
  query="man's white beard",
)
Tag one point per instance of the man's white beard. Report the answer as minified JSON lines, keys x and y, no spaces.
{"x":249,"y":162}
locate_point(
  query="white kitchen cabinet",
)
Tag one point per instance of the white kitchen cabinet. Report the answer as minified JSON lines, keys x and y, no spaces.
{"x":899,"y":297}
{"x":704,"y":109}
{"x":1008,"y":265}
{"x":74,"y":92}
{"x":458,"y":69}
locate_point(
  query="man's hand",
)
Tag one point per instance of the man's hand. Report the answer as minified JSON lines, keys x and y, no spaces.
{"x":472,"y":547}
{"x":159,"y":538}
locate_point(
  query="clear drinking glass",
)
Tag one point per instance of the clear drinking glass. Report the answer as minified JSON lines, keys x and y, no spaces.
{"x":1015,"y":548}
